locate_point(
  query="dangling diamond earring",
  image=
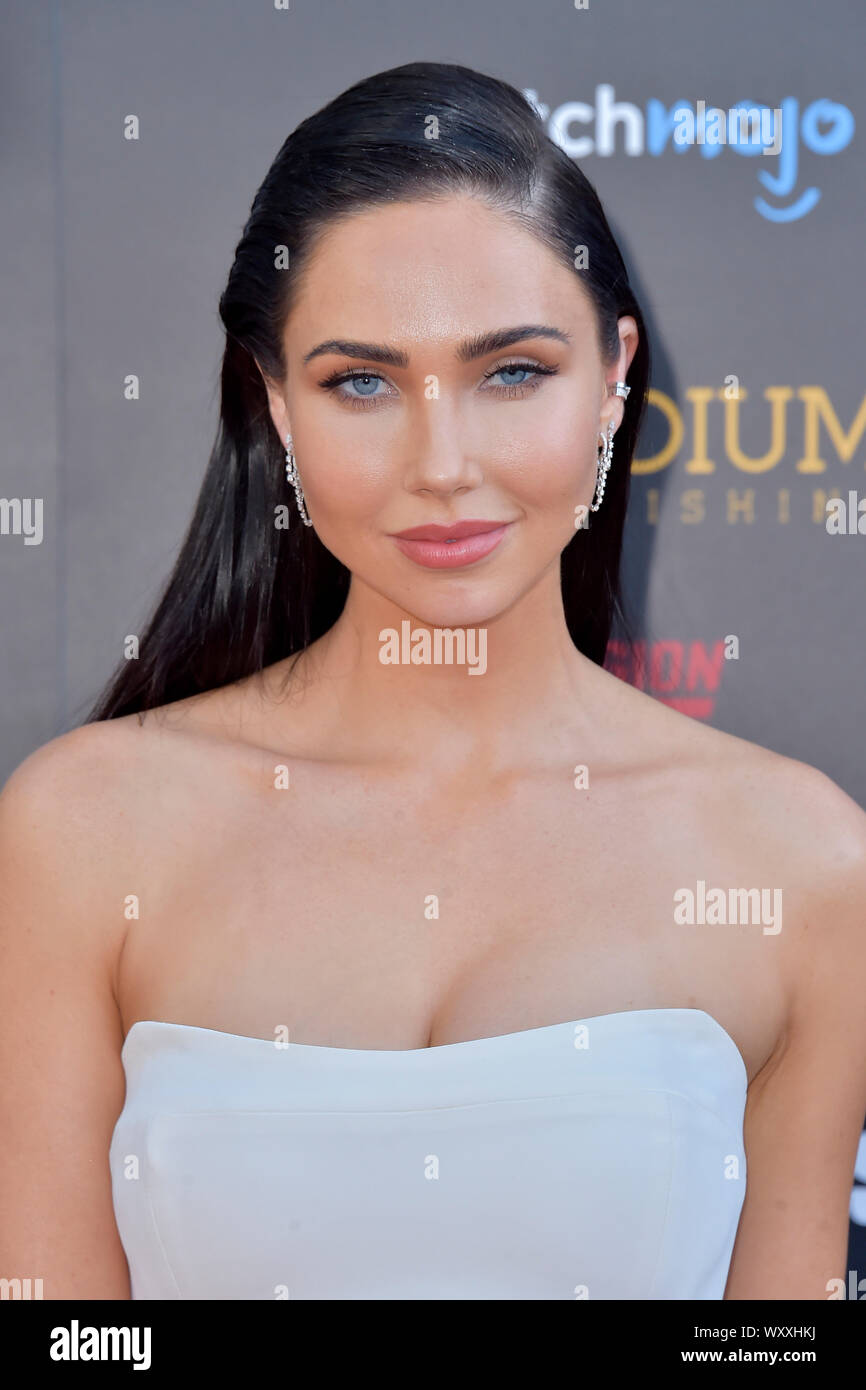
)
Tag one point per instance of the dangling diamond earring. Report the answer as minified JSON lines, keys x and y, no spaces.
{"x":293,"y":477}
{"x":605,"y":457}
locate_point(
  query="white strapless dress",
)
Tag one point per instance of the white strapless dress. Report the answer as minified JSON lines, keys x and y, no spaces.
{"x":601,"y":1159}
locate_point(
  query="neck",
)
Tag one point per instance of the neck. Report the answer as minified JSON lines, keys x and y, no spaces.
{"x":494,"y":693}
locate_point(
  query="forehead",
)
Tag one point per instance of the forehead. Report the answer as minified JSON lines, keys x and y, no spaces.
{"x":428,"y":269}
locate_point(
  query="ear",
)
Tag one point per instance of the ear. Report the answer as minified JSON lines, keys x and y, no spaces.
{"x":276,"y":406}
{"x":614,"y":406}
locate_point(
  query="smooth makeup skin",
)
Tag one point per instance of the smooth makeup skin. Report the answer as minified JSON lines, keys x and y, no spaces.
{"x":509,"y":436}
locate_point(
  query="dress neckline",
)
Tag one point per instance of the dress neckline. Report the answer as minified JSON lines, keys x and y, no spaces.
{"x":467,"y":1044}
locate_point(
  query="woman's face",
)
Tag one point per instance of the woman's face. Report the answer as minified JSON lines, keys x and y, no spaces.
{"x":402,"y":416}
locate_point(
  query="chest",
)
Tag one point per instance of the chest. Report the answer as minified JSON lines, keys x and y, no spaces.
{"x":375,"y":913}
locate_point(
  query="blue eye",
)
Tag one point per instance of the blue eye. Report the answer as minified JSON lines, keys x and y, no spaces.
{"x":364,"y":384}
{"x":531,"y":375}
{"x":510,"y":370}
{"x":363,"y":380}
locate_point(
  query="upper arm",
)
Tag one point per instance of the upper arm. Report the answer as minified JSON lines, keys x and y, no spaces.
{"x":61,"y":1078}
{"x":805,"y":1109}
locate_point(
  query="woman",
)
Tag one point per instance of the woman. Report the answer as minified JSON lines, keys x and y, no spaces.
{"x":337,"y":968}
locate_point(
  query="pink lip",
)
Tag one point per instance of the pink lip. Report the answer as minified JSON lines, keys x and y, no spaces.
{"x":431,"y":547}
{"x":449,"y":530}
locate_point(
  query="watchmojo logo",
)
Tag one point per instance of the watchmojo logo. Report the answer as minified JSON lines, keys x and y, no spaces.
{"x":824,"y":127}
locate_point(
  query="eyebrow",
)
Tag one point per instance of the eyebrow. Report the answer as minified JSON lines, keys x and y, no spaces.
{"x":467,"y":351}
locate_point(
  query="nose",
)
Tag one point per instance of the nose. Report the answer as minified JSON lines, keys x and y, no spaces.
{"x":440,"y":461}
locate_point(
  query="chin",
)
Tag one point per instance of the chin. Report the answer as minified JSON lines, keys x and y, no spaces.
{"x":468,"y":610}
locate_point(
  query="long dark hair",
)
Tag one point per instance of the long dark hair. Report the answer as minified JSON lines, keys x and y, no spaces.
{"x":244,"y":593}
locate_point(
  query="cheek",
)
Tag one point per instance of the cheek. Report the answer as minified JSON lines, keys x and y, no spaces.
{"x":351,"y":481}
{"x":553,"y":464}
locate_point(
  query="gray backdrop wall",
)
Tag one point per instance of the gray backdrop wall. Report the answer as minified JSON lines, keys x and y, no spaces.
{"x":749,"y":266}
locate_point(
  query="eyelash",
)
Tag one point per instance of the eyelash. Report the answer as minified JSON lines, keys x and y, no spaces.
{"x":512,"y":392}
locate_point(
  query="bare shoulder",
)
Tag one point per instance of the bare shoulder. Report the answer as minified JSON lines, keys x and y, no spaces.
{"x":760,"y":810}
{"x":85,"y":779}
{"x":745,"y":783}
{"x":63,"y":814}
{"x":797,"y":804}
{"x":74,"y":758}
{"x":56,"y":793}
{"x":87,"y":804}
{"x":814,"y":836}
{"x":777,"y":818}
{"x":797,"y":816}
{"x":75,"y":786}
